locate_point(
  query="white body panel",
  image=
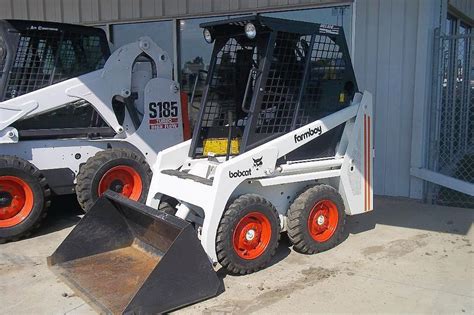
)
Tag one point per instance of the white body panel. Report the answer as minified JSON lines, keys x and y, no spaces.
{"x":218,"y":181}
{"x":117,"y":78}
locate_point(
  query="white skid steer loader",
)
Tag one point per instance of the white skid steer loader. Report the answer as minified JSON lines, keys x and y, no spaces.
{"x":283,"y":143}
{"x":62,"y":122}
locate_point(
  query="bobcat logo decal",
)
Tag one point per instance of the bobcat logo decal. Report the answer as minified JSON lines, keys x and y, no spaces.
{"x":257,"y":162}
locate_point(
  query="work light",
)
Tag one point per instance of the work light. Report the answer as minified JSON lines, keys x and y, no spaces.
{"x":250,"y":30}
{"x":208,"y":36}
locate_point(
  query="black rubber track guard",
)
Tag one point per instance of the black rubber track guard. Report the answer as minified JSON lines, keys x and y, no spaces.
{"x":124,"y":257}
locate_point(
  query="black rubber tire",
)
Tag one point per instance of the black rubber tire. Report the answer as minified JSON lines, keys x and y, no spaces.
{"x":298,"y":216}
{"x":14,"y":166}
{"x":94,"y":169}
{"x":226,"y":254}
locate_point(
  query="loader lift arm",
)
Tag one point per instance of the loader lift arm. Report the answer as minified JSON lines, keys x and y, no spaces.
{"x":98,"y":88}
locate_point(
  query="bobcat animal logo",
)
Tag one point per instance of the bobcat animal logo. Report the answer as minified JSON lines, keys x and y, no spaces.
{"x":257,"y":162}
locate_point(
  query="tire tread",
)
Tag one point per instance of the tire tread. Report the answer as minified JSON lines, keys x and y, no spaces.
{"x":297,"y":221}
{"x":8,"y":161}
{"x":225,"y":226}
{"x":87,"y":172}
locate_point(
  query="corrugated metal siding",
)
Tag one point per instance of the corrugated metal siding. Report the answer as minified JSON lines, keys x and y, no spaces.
{"x":390,"y":37}
{"x":106,"y":11}
{"x":391,"y":59}
{"x":464,"y":6}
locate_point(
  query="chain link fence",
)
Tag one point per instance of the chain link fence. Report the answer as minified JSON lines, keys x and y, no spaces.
{"x":451,"y":150}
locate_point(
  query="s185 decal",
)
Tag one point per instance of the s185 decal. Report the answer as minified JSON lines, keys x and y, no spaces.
{"x":163,"y":115}
{"x":163,"y":109}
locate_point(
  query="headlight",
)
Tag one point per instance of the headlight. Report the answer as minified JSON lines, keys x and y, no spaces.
{"x":208,"y":36}
{"x":250,"y":31}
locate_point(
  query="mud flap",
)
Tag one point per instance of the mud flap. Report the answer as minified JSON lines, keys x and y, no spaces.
{"x":125,"y":257}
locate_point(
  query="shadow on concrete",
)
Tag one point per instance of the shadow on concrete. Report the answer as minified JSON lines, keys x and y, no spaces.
{"x":408,"y":213}
{"x":64,"y":212}
{"x":283,"y":250}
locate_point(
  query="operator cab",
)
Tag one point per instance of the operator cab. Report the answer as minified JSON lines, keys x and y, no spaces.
{"x":34,"y":55}
{"x":267,"y":77}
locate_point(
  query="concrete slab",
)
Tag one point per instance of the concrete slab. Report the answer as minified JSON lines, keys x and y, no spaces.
{"x":403,"y":257}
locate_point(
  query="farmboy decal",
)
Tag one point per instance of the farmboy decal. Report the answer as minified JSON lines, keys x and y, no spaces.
{"x":317,"y":131}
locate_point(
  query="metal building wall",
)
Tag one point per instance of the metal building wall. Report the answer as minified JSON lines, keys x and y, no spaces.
{"x":466,"y":7}
{"x":392,"y":58}
{"x":107,"y":11}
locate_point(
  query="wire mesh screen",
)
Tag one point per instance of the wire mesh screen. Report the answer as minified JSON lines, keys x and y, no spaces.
{"x":45,"y":57}
{"x":452,"y":123}
{"x":326,"y":73}
{"x":228,"y":82}
{"x":317,"y":94}
{"x":284,"y":83}
{"x":284,"y":78}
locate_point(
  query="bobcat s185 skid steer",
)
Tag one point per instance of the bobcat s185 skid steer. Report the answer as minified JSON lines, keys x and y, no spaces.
{"x":283,"y":143}
{"x":72,"y":113}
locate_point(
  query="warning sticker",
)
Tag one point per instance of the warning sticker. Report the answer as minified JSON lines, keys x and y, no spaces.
{"x":329,"y":29}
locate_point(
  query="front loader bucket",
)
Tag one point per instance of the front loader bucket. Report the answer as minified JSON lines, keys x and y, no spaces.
{"x":124,"y":257}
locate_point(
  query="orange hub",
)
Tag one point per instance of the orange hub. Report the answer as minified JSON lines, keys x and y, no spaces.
{"x":16,"y":201}
{"x":322,"y":221}
{"x":123,"y":180}
{"x":252,"y":235}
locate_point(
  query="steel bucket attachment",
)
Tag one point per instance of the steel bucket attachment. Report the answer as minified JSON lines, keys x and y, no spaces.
{"x":124,"y":257}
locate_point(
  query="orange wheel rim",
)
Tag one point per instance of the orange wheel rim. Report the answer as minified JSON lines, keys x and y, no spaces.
{"x":252,"y":235}
{"x":122,"y":179}
{"x":16,"y":201}
{"x":322,"y":221}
